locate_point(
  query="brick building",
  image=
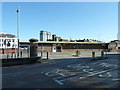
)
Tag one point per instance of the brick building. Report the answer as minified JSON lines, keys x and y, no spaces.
{"x":61,"y":46}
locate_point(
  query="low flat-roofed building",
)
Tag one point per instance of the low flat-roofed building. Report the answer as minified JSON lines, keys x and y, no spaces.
{"x":8,"y":42}
{"x":59,"y":46}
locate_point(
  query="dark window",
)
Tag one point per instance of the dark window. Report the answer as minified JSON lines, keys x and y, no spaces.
{"x":8,"y":44}
{"x":5,"y":42}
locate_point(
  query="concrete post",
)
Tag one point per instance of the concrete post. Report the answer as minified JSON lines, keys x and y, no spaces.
{"x":21,"y":53}
{"x":47,"y":55}
{"x":33,"y":47}
{"x":102,"y":54}
{"x":7,"y":56}
{"x":93,"y":55}
{"x":41,"y":54}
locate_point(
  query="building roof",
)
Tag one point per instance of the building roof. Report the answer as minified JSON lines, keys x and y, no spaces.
{"x":7,"y":35}
{"x":65,"y":42}
{"x":115,"y":41}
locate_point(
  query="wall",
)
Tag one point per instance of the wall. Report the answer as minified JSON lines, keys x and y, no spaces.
{"x":3,"y":51}
{"x":45,"y":48}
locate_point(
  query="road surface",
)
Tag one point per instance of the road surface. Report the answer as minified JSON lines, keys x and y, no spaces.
{"x":76,"y":72}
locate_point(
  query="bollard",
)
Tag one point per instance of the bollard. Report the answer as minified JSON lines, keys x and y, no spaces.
{"x":93,"y":55}
{"x":102,"y":54}
{"x":7,"y":56}
{"x":41,"y":54}
{"x":77,"y":53}
{"x":21,"y":53}
{"x":47,"y":55}
{"x":12,"y":55}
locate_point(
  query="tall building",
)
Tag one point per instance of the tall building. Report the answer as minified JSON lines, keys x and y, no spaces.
{"x":54,"y":37}
{"x":45,"y":36}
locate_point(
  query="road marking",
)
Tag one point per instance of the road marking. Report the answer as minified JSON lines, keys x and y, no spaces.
{"x":109,"y":75}
{"x":88,"y":70}
{"x":87,"y":75}
{"x":47,"y":73}
{"x":97,"y":73}
{"x":62,"y":74}
{"x":116,"y":79}
{"x":59,"y":82}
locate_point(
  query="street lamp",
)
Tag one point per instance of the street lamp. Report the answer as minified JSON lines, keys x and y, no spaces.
{"x":18,"y":27}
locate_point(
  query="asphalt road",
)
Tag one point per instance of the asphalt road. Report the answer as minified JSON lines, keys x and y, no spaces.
{"x":64,"y":73}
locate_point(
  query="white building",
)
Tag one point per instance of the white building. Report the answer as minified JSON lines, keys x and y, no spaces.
{"x":45,"y":36}
{"x":8,"y":41}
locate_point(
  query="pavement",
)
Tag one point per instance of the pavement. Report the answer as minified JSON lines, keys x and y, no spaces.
{"x":65,"y":72}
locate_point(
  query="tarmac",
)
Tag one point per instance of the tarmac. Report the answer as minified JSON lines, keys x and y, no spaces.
{"x":64,"y":70}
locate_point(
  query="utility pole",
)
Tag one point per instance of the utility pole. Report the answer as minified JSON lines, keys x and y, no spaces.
{"x":18,"y":28}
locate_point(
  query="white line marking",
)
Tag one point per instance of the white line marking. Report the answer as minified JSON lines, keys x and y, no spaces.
{"x":47,"y":73}
{"x":62,"y":74}
{"x":116,"y":79}
{"x":98,"y":73}
{"x":88,"y":70}
{"x":109,"y":75}
{"x":59,"y":82}
{"x":88,"y":75}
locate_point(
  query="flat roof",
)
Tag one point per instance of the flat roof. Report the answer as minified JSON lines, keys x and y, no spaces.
{"x":55,"y":42}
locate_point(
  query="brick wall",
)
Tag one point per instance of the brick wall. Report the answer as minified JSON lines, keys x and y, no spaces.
{"x":2,"y":51}
{"x":45,"y":48}
{"x":73,"y":50}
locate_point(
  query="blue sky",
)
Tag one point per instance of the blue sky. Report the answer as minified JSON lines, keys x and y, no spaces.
{"x":78,"y":20}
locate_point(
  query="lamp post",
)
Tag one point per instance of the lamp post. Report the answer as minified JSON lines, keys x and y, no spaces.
{"x":18,"y":27}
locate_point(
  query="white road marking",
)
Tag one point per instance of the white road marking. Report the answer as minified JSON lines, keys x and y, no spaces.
{"x":47,"y":73}
{"x":109,"y":75}
{"x":87,"y":75}
{"x":98,"y":73}
{"x":59,"y":82}
{"x":62,"y":74}
{"x":116,"y":79}
{"x":88,"y":70}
